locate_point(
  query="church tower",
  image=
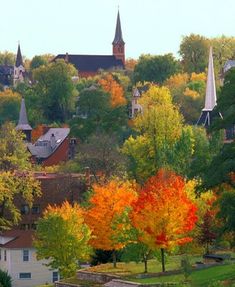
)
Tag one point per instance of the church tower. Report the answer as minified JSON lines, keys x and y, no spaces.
{"x":19,"y":69}
{"x":23,"y":124}
{"x":210,"y":101}
{"x":118,"y":43}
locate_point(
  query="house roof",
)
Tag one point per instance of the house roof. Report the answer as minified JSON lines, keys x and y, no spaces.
{"x":18,"y":239}
{"x":92,"y":63}
{"x":23,"y":123}
{"x":228,"y":65}
{"x":44,"y":146}
{"x":118,"y":32}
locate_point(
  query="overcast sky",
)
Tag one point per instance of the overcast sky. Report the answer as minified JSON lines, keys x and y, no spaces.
{"x":87,"y":26}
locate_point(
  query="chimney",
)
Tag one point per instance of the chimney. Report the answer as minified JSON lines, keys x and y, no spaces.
{"x":53,"y":142}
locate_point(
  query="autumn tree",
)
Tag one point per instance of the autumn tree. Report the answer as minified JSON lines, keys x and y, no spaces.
{"x":155,"y":68}
{"x":37,"y":61}
{"x":115,"y":89}
{"x":65,"y":223}
{"x":107,"y":215}
{"x":194,"y":50}
{"x":7,"y":58}
{"x":15,"y":175}
{"x":163,"y":213}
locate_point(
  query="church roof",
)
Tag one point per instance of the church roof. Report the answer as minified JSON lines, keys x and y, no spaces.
{"x":210,"y":100}
{"x":118,"y":33}
{"x":92,"y":63}
{"x":19,"y":59}
{"x":23,"y":123}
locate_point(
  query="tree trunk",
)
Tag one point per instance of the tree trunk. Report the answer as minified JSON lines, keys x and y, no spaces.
{"x":163,"y":260}
{"x":114,"y":259}
{"x":145,"y":265}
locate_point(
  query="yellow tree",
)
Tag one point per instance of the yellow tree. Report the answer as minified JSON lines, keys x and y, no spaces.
{"x":62,"y":236}
{"x":107,"y":214}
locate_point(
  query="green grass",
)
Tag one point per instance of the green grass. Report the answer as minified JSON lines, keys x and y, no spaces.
{"x":201,"y":278}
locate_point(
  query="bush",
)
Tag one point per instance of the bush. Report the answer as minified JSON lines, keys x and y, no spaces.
{"x":5,"y":279}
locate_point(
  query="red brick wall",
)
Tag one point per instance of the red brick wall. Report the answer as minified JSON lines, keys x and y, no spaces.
{"x":119,"y":52}
{"x":60,"y":154}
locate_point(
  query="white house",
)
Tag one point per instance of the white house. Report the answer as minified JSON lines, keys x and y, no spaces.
{"x":18,"y":257}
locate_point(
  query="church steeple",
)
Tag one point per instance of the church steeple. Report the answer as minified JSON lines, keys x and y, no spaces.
{"x":210,"y":100}
{"x":19,"y":59}
{"x":118,"y":43}
{"x":23,"y":124}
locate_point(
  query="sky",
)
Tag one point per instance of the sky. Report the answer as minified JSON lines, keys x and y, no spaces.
{"x":87,"y":26}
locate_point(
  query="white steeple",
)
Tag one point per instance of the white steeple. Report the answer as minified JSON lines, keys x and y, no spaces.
{"x":210,"y":101}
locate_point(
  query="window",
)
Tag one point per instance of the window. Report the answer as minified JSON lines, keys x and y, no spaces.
{"x":25,"y":275}
{"x":25,"y":255}
{"x":5,"y":255}
{"x":36,"y":209}
{"x":55,"y":276}
{"x":25,"y":226}
{"x":24,"y":209}
{"x":0,"y":254}
{"x":34,"y":226}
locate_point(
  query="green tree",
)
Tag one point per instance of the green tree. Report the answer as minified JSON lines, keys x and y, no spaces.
{"x":15,"y":176}
{"x":194,"y":50}
{"x":37,"y":61}
{"x":9,"y":106}
{"x":7,"y":58}
{"x":158,"y":129}
{"x":95,"y":114}
{"x":55,"y":89}
{"x":65,"y":223}
{"x":155,"y":68}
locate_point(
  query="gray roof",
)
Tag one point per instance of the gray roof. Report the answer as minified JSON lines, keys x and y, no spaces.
{"x":23,"y":123}
{"x":118,"y":33}
{"x":45,"y":145}
{"x":228,"y":65}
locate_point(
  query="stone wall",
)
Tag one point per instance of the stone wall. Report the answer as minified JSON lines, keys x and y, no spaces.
{"x":95,"y":277}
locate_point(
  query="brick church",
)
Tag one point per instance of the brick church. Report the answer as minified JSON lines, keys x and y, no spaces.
{"x":90,"y":65}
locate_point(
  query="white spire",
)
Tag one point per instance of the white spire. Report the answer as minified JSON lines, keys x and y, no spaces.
{"x":210,"y":101}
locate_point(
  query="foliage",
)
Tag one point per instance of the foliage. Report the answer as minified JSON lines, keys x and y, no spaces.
{"x":188,"y":93}
{"x":227,"y":210}
{"x":7,"y":58}
{"x":115,"y":89}
{"x":194,"y":52}
{"x":95,"y":114}
{"x":108,"y":204}
{"x":159,"y":128}
{"x":37,"y":61}
{"x":161,"y":200}
{"x":103,"y":158}
{"x":5,"y":279}
{"x":67,"y":224}
{"x":155,"y":68}
{"x":55,"y":90}
{"x":15,"y":176}
{"x":9,"y":106}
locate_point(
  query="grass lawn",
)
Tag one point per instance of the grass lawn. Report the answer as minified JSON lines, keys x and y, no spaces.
{"x":201,"y":278}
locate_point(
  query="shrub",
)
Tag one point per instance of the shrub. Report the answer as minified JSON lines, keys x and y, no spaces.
{"x":5,"y":279}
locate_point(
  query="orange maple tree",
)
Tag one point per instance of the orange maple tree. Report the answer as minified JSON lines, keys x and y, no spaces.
{"x":108,"y":213}
{"x":111,"y":86}
{"x":163,"y":213}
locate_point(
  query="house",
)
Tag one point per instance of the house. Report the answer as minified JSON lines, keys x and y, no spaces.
{"x":13,"y":74}
{"x":18,"y":257}
{"x":136,"y":95}
{"x":53,"y":147}
{"x":90,"y":65}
